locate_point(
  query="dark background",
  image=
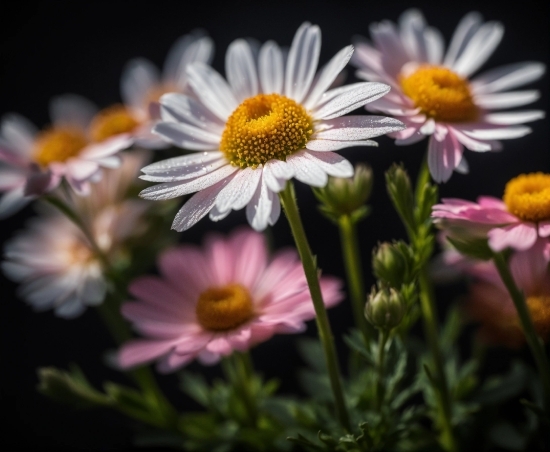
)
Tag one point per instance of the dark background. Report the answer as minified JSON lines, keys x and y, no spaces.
{"x":54,"y":47}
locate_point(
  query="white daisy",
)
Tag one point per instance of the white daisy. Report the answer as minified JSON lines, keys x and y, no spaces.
{"x":271,"y":121}
{"x":433,"y":95}
{"x":142,"y":84}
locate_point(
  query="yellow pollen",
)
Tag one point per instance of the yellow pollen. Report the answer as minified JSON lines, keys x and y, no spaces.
{"x":528,"y":196}
{"x":112,"y":121}
{"x":539,"y":308}
{"x":265,"y":127}
{"x":224,"y":308}
{"x":440,"y":94}
{"x":58,"y":145}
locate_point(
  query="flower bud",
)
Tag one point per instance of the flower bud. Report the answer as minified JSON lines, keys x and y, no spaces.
{"x":346,"y":196}
{"x":392,"y":263}
{"x":385,"y":308}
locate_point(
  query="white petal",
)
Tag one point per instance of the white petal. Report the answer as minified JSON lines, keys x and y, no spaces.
{"x":217,"y":215}
{"x":212,"y":90}
{"x":444,"y":157}
{"x":434,"y":45}
{"x":183,"y":167}
{"x":498,"y":134}
{"x":70,"y":308}
{"x":331,"y":163}
{"x":467,"y":27}
{"x":307,"y":171}
{"x":428,"y":128}
{"x":463,"y":167}
{"x":302,"y":61}
{"x":240,"y":70}
{"x":72,"y":110}
{"x":187,"y":136}
{"x":327,"y":75}
{"x":387,"y":39}
{"x":178,"y":107}
{"x":188,"y":171}
{"x":271,"y":68}
{"x":479,"y":49}
{"x":516,"y":117}
{"x":19,"y":132}
{"x":275,"y":210}
{"x":12,"y":201}
{"x":108,"y":147}
{"x":507,"y":77}
{"x":350,"y":128}
{"x":351,"y":99}
{"x":109,"y":162}
{"x":258,"y":210}
{"x":329,"y":145}
{"x":276,"y":174}
{"x":170,"y":190}
{"x":80,"y":169}
{"x":93,"y":290}
{"x":186,"y":50}
{"x":506,"y":100}
{"x":238,"y":192}
{"x":470,"y":143}
{"x":197,"y":207}
{"x":138,"y":77}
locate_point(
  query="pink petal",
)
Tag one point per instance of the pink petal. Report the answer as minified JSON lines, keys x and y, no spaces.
{"x":544,"y":228}
{"x":250,"y":250}
{"x":519,"y":236}
{"x":141,"y":351}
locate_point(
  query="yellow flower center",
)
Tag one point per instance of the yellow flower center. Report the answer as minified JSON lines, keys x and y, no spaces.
{"x":265,"y":127}
{"x":528,"y":196}
{"x":539,"y":307}
{"x":224,"y":308}
{"x":440,"y":94}
{"x":112,"y":121}
{"x":58,"y":145}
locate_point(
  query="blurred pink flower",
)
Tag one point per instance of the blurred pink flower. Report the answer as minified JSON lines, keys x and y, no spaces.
{"x":142,"y":85}
{"x":432,"y":92}
{"x":515,"y":222}
{"x":208,"y":303}
{"x":33,"y":162}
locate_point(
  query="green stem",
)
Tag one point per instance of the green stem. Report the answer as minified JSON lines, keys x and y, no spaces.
{"x":354,"y":273}
{"x":383,"y":336}
{"x":288,"y":200}
{"x":429,"y":315}
{"x":534,"y":342}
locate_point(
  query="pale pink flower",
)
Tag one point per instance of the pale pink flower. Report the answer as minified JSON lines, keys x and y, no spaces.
{"x":33,"y":162}
{"x":208,"y":303}
{"x":514,"y":222}
{"x":142,"y":85}
{"x":489,"y":301}
{"x":432,"y":92}
{"x":54,"y":261}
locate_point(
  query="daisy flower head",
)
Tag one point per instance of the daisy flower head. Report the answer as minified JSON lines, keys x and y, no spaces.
{"x":55,"y":262}
{"x":432,"y":92}
{"x":142,"y":84}
{"x":272,"y":120}
{"x":33,"y":162}
{"x":226,"y":297}
{"x":489,"y":302}
{"x":515,"y":222}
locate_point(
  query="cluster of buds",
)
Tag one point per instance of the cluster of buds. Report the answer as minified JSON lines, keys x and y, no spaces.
{"x":385,"y":308}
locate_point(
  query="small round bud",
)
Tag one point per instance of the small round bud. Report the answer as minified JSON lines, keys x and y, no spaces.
{"x":346,"y":196}
{"x":385,"y":308}
{"x":391,"y":264}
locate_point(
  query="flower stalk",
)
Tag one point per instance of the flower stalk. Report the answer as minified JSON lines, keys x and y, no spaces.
{"x":383,"y":336}
{"x":534,"y":342}
{"x":288,"y":200}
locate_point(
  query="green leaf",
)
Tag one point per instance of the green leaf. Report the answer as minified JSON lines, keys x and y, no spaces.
{"x":500,"y":388}
{"x":195,"y":386}
{"x":476,"y":248}
{"x":311,"y":352}
{"x":507,"y":436}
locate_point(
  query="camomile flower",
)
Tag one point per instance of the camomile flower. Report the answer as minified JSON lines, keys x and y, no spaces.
{"x":142,"y":85}
{"x":272,"y":120}
{"x":516,"y":221}
{"x":208,"y":303}
{"x":33,"y":162}
{"x":433,"y":94}
{"x":54,"y":261}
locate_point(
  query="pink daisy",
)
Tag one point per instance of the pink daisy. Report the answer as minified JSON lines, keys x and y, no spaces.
{"x":489,"y":302}
{"x":515,"y":222}
{"x":142,"y":85}
{"x":432,"y":92}
{"x":33,"y":162}
{"x":208,"y":303}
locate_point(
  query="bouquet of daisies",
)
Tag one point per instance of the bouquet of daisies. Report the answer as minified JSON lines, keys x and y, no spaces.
{"x":101,"y":240}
